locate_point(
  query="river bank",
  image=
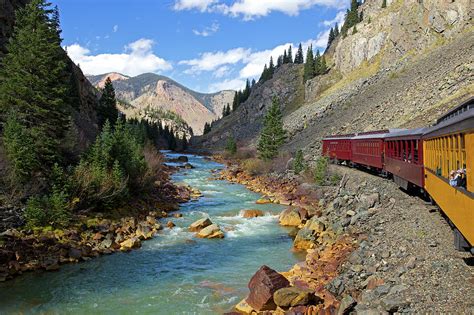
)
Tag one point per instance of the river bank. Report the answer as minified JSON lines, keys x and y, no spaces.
{"x":91,"y":234}
{"x":369,"y":246}
{"x":174,"y":272}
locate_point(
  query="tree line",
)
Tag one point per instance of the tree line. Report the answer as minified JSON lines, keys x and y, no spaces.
{"x":45,"y":173}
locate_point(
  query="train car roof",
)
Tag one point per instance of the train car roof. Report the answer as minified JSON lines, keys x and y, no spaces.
{"x":460,"y":122}
{"x":376,"y":135}
{"x":463,"y":107}
{"x":407,"y":133}
{"x":339,"y":137}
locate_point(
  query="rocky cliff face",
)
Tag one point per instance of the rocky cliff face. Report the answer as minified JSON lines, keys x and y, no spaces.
{"x":405,"y":66}
{"x":154,"y":92}
{"x":403,"y":29}
{"x":245,"y":123}
{"x":85,"y":116}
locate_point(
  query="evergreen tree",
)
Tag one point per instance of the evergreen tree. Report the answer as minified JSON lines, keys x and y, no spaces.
{"x":384,"y":4}
{"x":273,"y":135}
{"x":298,"y":164}
{"x":331,"y":37}
{"x":285,"y":57}
{"x":352,"y":17}
{"x":107,"y":105}
{"x":354,"y":30}
{"x":271,"y":68}
{"x":253,"y":84}
{"x":264,"y":76}
{"x":207,"y":128}
{"x":34,"y":83}
{"x":231,"y":145}
{"x":280,"y":61}
{"x":323,"y":68}
{"x":336,"y":31}
{"x":235,"y":102}
{"x":290,"y":55}
{"x":247,"y":91}
{"x":227,"y":110}
{"x":317,"y":63}
{"x":299,"y":59}
{"x":309,"y":65}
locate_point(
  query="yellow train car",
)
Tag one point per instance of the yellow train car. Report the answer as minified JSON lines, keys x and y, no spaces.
{"x":449,"y":146}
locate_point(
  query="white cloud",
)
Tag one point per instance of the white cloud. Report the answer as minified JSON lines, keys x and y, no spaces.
{"x":208,"y":30}
{"x":115,"y":28}
{"x":210,"y":61}
{"x":339,"y":19}
{"x":232,"y":84}
{"x":222,"y":72}
{"x":137,"y":58}
{"x":251,"y":9}
{"x":201,"y":5}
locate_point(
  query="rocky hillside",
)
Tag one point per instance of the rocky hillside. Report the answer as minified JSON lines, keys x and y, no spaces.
{"x":405,"y":65}
{"x":152,"y":92}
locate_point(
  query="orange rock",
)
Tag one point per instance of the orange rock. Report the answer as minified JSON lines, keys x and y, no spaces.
{"x":252,"y":213}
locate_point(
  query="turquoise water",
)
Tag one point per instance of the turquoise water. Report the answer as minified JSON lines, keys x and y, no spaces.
{"x":174,"y":273}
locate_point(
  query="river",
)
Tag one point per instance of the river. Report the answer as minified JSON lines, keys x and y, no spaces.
{"x":174,"y":273}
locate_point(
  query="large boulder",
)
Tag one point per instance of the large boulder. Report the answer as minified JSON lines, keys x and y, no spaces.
{"x":305,"y":239}
{"x":200,"y":224}
{"x":293,"y":296}
{"x":314,"y":224}
{"x":263,"y":284}
{"x":130,"y":244}
{"x":290,"y":217}
{"x":254,"y":213}
{"x":211,"y":231}
{"x":368,"y":201}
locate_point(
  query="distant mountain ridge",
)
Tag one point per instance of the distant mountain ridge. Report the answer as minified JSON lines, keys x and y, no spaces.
{"x":153,"y":91}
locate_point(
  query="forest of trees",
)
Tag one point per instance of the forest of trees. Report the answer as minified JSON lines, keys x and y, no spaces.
{"x":37,"y":103}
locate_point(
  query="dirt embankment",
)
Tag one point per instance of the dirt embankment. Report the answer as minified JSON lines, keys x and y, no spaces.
{"x":370,"y":246}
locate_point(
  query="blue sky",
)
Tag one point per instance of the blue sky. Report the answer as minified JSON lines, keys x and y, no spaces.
{"x":207,"y":45}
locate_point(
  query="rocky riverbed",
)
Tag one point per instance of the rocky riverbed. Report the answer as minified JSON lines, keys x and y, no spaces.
{"x":90,"y":235}
{"x":370,"y":248}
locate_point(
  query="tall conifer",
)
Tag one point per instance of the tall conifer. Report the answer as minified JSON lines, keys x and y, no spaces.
{"x":34,"y":82}
{"x":273,"y":135}
{"x":107,"y":105}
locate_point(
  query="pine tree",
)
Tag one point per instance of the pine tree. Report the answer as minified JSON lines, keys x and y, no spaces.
{"x":323,"y":68}
{"x":253,"y":84}
{"x":264,"y":75}
{"x":290,"y":55}
{"x":298,"y":164}
{"x":285,"y":57}
{"x":384,"y":4}
{"x":235,"y":102}
{"x":227,"y":110}
{"x":354,"y":30}
{"x":231,"y":145}
{"x":271,"y":68}
{"x":309,"y":65}
{"x":34,"y":82}
{"x":336,"y":31}
{"x":107,"y":105}
{"x":207,"y":128}
{"x":280,"y":61}
{"x":317,"y":63}
{"x":352,"y":17}
{"x":299,"y":59}
{"x":331,"y":37}
{"x":273,"y":135}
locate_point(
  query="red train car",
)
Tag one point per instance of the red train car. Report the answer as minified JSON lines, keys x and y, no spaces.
{"x":338,"y":147}
{"x":368,"y":149}
{"x":404,"y":157}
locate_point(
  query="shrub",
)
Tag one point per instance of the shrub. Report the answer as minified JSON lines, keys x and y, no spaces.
{"x":298,"y":164}
{"x":321,"y":170}
{"x":52,"y":209}
{"x":256,"y":166}
{"x":231,"y":146}
{"x":335,"y":179}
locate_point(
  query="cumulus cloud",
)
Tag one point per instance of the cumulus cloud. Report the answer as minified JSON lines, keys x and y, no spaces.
{"x":222,"y":72}
{"x":231,"y":84}
{"x":201,"y":5}
{"x":210,"y":61}
{"x":251,"y":9}
{"x":137,"y":58}
{"x":339,"y":19}
{"x":207,"y":31}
